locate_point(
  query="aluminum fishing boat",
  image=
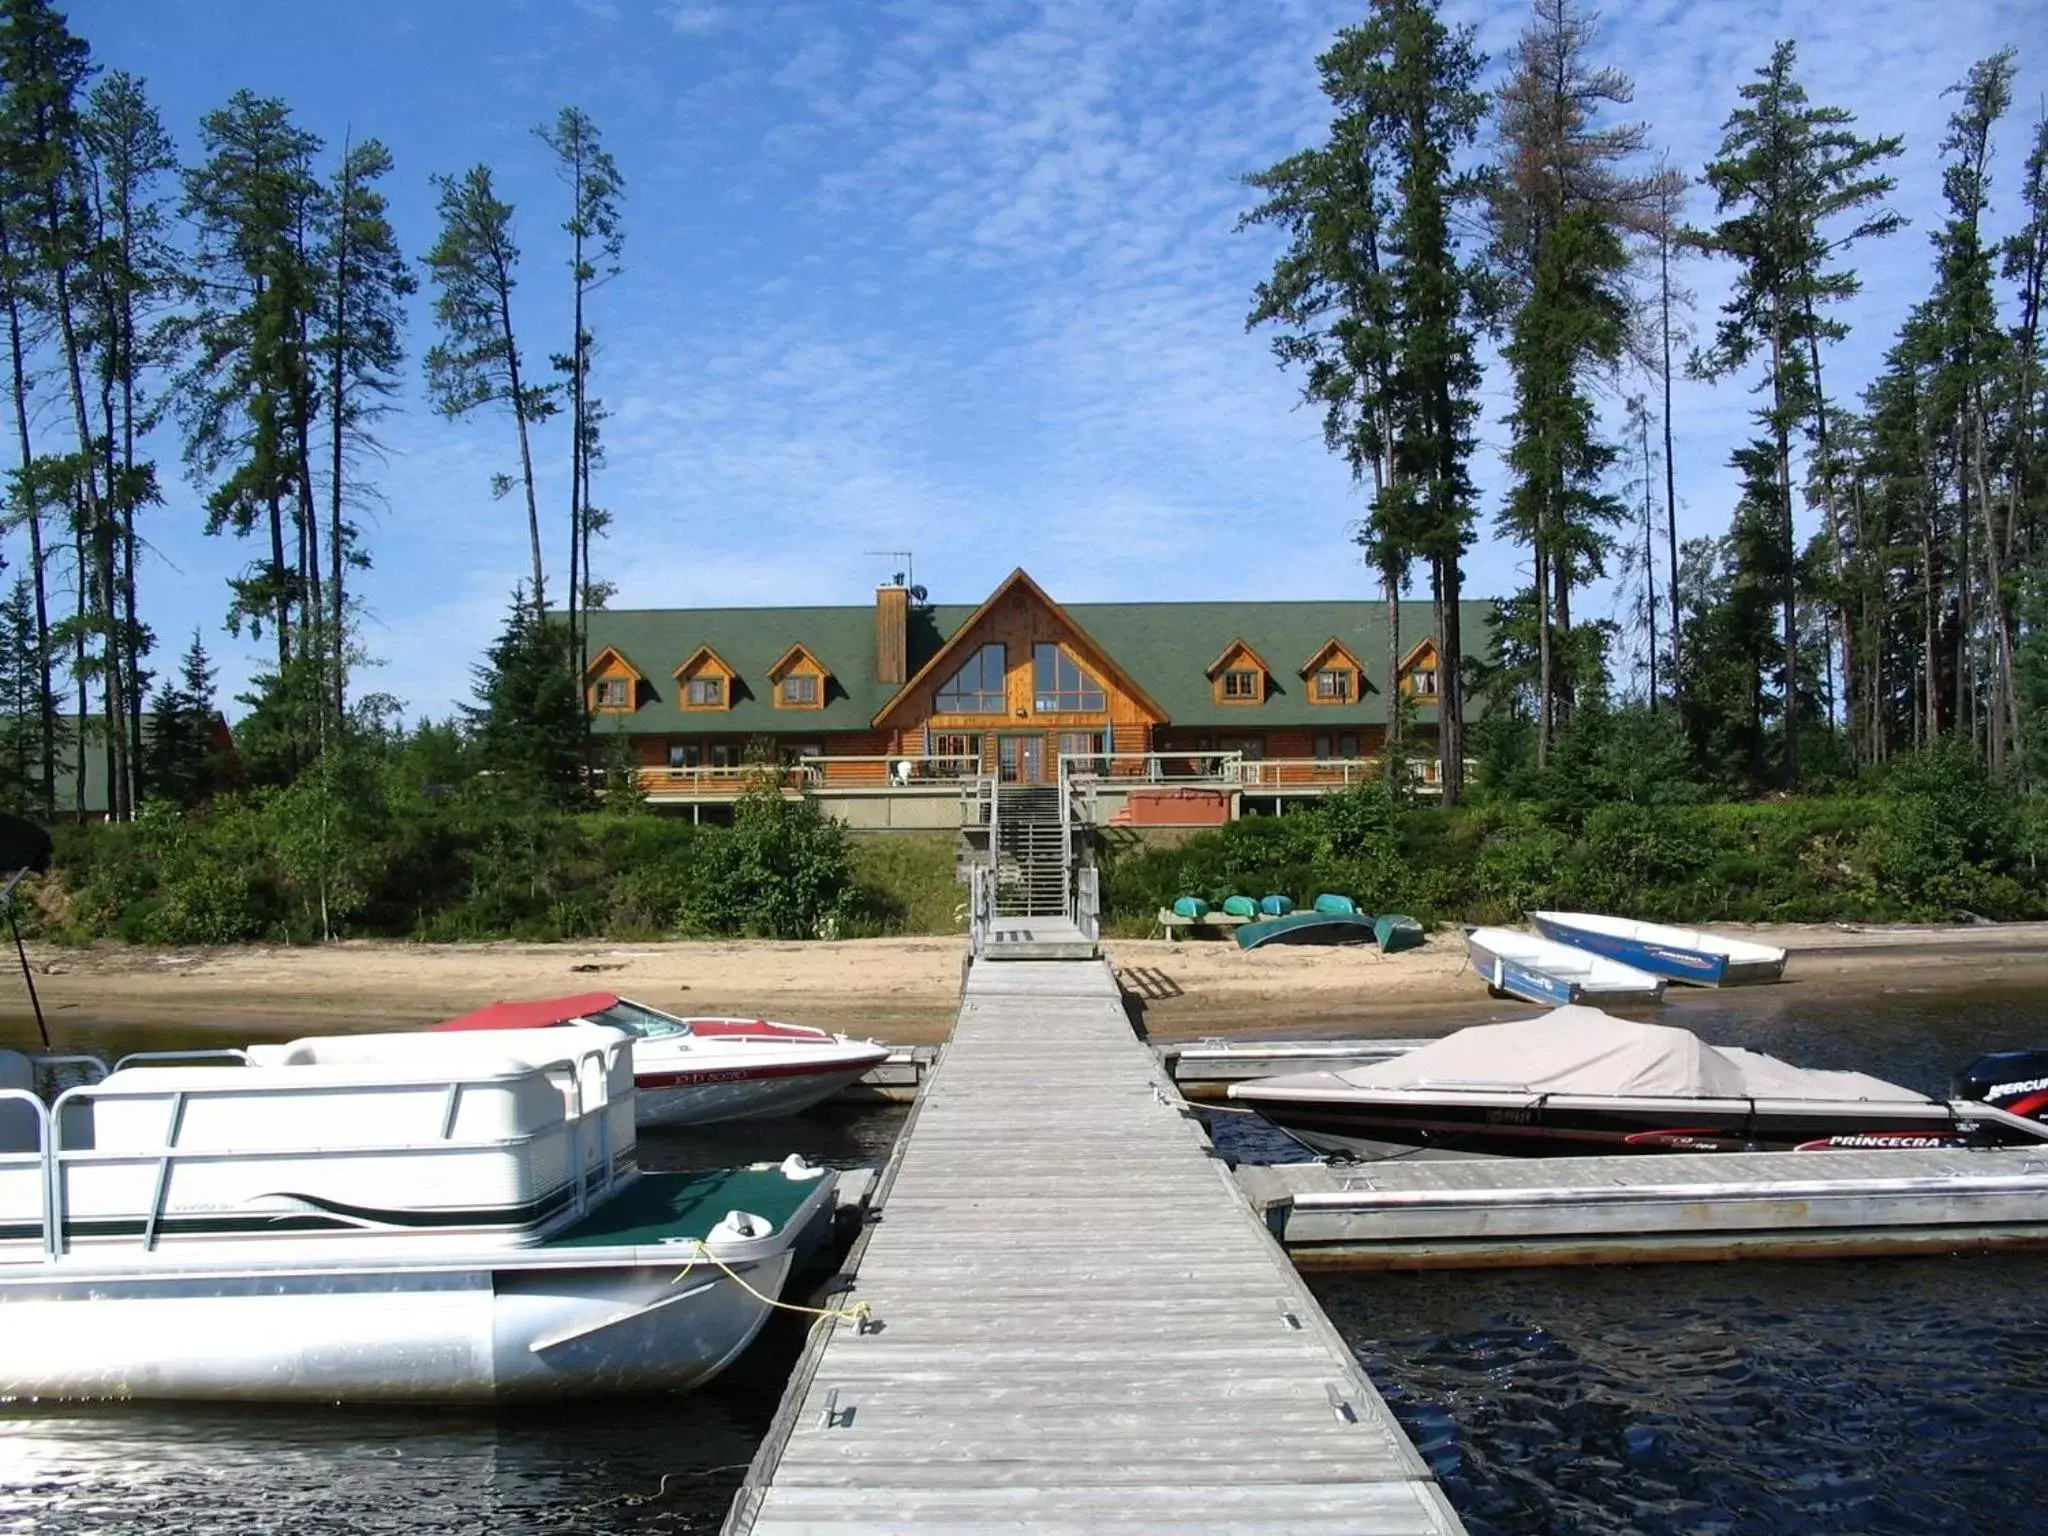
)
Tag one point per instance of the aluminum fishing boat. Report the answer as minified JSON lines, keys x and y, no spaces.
{"x":1681,"y":954}
{"x":1577,"y":1081}
{"x":374,"y":1217}
{"x":1540,"y":970}
{"x":699,"y":1071}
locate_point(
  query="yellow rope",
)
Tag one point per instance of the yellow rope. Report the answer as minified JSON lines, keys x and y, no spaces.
{"x":858,"y":1313}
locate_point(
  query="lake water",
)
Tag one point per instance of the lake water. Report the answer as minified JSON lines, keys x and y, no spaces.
{"x":1824,"y":1397}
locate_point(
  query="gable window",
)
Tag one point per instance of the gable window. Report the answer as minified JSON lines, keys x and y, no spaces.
{"x":614,"y":693}
{"x":1422,"y":682}
{"x":1333,"y":685}
{"x":707,"y":693}
{"x":977,"y":688}
{"x":1241,"y":686}
{"x":1060,"y":687}
{"x":799,"y":690}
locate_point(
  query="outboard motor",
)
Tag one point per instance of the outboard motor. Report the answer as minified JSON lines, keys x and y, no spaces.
{"x":2014,"y":1081}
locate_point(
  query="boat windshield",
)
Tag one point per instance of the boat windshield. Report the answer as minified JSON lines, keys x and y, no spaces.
{"x":640,"y":1022}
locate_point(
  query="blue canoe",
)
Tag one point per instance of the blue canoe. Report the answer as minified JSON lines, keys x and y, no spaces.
{"x":1679,"y":954}
{"x":1339,"y":906}
{"x":1275,"y":906}
{"x":1308,"y":928}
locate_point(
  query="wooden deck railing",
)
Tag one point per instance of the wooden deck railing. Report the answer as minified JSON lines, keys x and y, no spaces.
{"x":911,"y":772}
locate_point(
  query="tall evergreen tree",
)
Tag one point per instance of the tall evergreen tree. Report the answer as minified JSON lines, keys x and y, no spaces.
{"x":596,"y":239}
{"x":184,"y":765}
{"x":1787,"y":172}
{"x":527,"y":722}
{"x":1332,"y":295}
{"x":246,"y":396}
{"x":474,"y":267}
{"x":366,"y":281}
{"x":1560,"y":202}
{"x":1972,"y":362}
{"x":134,"y":276}
{"x":21,"y":733}
{"x":1379,"y":305}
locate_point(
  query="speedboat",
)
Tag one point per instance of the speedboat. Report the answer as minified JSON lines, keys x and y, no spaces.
{"x":1689,"y":955}
{"x":698,"y":1071}
{"x":1577,"y":1081}
{"x":1540,"y":970}
{"x":382,"y":1217}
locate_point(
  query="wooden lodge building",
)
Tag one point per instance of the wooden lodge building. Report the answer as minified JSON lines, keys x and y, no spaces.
{"x":1180,"y":713}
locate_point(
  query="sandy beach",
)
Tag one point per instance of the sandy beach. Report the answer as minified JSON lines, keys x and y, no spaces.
{"x":901,"y":990}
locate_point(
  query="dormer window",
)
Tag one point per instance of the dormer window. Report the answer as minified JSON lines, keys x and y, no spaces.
{"x":1238,"y":676}
{"x":1335,"y":685}
{"x":611,"y":683}
{"x":1333,"y":675}
{"x":614,"y":693}
{"x":799,"y":679}
{"x":707,"y":693}
{"x":1241,"y":687}
{"x":1422,"y":682}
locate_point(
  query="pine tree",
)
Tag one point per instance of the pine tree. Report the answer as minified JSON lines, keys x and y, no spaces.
{"x":596,"y":239}
{"x":1972,"y":360}
{"x":1333,"y":296}
{"x":184,"y":764}
{"x":1379,"y":305}
{"x":474,"y":267}
{"x":1559,"y":204}
{"x":527,"y":722}
{"x":21,"y":733}
{"x":133,"y":277}
{"x":366,"y":282}
{"x":1787,"y":171}
{"x":246,"y":397}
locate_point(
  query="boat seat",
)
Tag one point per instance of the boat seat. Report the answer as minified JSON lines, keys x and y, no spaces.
{"x":19,"y":1131}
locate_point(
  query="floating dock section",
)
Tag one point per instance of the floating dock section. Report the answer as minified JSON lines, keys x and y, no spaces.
{"x":1079,"y":1321}
{"x":1494,"y":1211}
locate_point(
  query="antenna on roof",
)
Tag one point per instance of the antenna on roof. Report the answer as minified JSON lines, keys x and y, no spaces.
{"x":906,"y":577}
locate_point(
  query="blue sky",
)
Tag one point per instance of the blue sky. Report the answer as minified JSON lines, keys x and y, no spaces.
{"x":953,"y":278}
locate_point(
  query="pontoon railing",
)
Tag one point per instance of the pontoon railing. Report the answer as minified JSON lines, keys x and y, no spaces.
{"x":592,"y":1166}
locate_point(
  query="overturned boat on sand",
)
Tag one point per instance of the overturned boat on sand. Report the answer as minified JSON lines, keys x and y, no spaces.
{"x":1577,"y":1081}
{"x":1688,"y":955}
{"x":1539,"y":970}
{"x":399,"y":1217}
{"x":700,"y":1071}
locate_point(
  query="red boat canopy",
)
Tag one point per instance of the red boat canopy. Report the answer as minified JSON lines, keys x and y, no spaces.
{"x":534,"y":1015}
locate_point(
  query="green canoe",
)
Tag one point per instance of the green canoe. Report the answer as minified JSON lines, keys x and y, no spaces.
{"x":1308,"y":928}
{"x":1396,"y":932}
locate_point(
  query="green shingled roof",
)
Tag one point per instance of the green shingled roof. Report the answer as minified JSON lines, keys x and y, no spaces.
{"x":1165,"y":647}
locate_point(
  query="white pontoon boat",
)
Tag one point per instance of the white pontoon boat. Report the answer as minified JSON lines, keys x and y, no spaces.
{"x":397,"y":1216}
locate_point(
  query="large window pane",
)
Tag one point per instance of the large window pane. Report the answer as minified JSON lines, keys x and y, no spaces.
{"x":1059,"y":686}
{"x":977,"y":688}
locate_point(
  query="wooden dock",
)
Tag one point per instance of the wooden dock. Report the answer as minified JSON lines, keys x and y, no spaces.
{"x":1481,"y":1212}
{"x":1080,"y":1322}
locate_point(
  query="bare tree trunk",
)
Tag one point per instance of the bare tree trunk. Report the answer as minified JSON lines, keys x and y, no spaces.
{"x":1790,"y":553}
{"x":1544,"y":690}
{"x":46,"y":700}
{"x":1670,"y":471}
{"x":337,"y":414}
{"x":525,"y":448}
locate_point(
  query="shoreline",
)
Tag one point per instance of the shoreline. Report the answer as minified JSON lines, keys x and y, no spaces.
{"x":901,"y":990}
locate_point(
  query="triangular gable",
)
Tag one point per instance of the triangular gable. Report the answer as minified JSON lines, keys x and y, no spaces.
{"x":697,"y":660}
{"x":1237,"y":647}
{"x":951,"y":654}
{"x":1332,"y":647}
{"x":787,"y":663}
{"x":610,"y":661}
{"x":1422,"y":645}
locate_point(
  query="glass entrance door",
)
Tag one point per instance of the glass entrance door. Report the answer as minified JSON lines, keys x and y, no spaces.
{"x":1020,"y":759}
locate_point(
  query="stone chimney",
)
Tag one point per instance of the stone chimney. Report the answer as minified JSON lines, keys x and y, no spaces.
{"x":892,"y":633}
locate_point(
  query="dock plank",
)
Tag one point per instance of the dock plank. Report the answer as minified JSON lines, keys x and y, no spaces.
{"x":1097,"y":1332}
